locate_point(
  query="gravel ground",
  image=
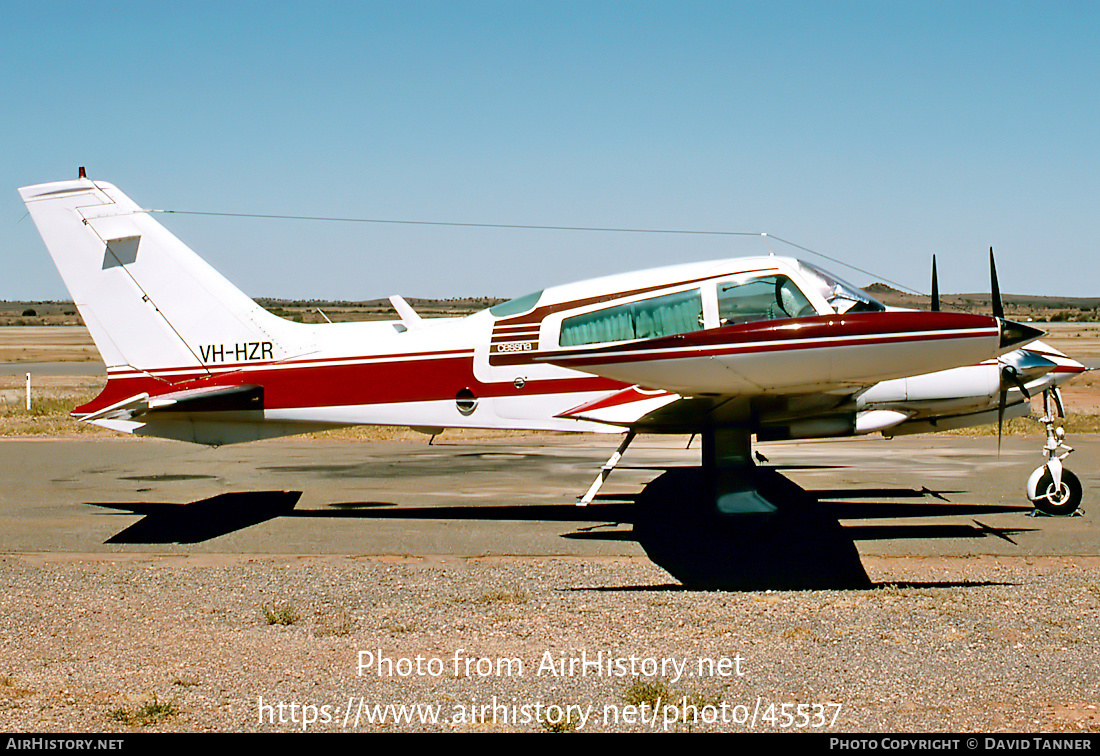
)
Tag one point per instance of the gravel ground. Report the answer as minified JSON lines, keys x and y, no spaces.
{"x":115,"y":643}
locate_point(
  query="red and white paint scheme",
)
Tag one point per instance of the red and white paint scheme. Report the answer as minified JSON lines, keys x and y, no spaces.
{"x":769,"y":346}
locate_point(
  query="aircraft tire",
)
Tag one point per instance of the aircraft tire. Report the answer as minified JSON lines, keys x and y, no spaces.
{"x":1062,"y":501}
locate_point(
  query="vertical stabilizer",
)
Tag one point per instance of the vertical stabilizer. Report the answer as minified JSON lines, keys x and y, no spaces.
{"x":149,"y":302}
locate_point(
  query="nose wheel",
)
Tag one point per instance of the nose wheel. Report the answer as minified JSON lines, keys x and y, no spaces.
{"x":1054,"y":498}
{"x":1051,"y":488}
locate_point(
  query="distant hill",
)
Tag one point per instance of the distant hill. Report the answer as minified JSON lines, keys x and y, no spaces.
{"x":306,"y":311}
{"x":300,"y":310}
{"x":1019,"y":306}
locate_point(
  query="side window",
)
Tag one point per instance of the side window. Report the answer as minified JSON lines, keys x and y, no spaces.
{"x":768,"y":298}
{"x":661,"y":316}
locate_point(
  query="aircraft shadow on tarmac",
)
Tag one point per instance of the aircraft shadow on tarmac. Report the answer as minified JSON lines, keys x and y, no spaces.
{"x":800,"y":546}
{"x":202,"y":520}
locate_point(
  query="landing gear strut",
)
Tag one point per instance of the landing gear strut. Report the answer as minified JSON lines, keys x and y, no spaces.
{"x":1053,"y":489}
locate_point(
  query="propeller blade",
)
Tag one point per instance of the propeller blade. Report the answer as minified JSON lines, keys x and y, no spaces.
{"x":995,"y":288}
{"x":1001,"y":419}
{"x":935,"y":287}
{"x":1058,"y":402}
{"x":1011,"y":377}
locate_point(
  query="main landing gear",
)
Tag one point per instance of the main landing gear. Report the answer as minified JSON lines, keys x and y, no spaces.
{"x":1053,"y":489}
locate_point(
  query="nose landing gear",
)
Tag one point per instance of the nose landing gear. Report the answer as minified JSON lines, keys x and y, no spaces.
{"x":1051,"y":488}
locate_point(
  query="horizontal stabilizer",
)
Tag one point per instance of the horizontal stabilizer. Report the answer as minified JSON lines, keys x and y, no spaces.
{"x":209,"y":399}
{"x":123,"y":410}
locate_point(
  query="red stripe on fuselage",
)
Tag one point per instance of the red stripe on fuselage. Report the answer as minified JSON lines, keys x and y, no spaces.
{"x":317,"y":384}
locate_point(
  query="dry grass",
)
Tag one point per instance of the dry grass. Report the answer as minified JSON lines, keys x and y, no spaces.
{"x":649,"y":692}
{"x":48,"y":416}
{"x":52,"y":399}
{"x":568,"y":722}
{"x":152,"y":711}
{"x":284,"y":613}
{"x":1030,"y":426}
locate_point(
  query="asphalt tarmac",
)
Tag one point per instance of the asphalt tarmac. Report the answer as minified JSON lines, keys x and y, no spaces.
{"x":922,"y":496}
{"x":52,"y":368}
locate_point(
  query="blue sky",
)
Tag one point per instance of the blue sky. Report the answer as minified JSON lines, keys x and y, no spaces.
{"x":878,"y":133}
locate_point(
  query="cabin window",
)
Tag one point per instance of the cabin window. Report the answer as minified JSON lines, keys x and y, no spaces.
{"x":646,"y":319}
{"x":767,"y":298}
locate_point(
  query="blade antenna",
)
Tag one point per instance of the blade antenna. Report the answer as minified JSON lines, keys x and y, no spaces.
{"x":935,"y":287}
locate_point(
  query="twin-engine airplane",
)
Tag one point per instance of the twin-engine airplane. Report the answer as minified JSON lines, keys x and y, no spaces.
{"x":765,"y":346}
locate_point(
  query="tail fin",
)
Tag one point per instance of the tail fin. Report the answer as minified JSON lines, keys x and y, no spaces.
{"x":149,"y":302}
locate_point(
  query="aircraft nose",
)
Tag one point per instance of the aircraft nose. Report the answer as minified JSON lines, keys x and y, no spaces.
{"x":1015,"y":334}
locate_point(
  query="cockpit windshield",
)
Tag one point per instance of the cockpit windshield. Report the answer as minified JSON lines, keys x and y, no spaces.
{"x":841,"y":295}
{"x":517,"y":306}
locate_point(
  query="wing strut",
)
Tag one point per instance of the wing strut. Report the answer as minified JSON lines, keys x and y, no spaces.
{"x":605,"y":471}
